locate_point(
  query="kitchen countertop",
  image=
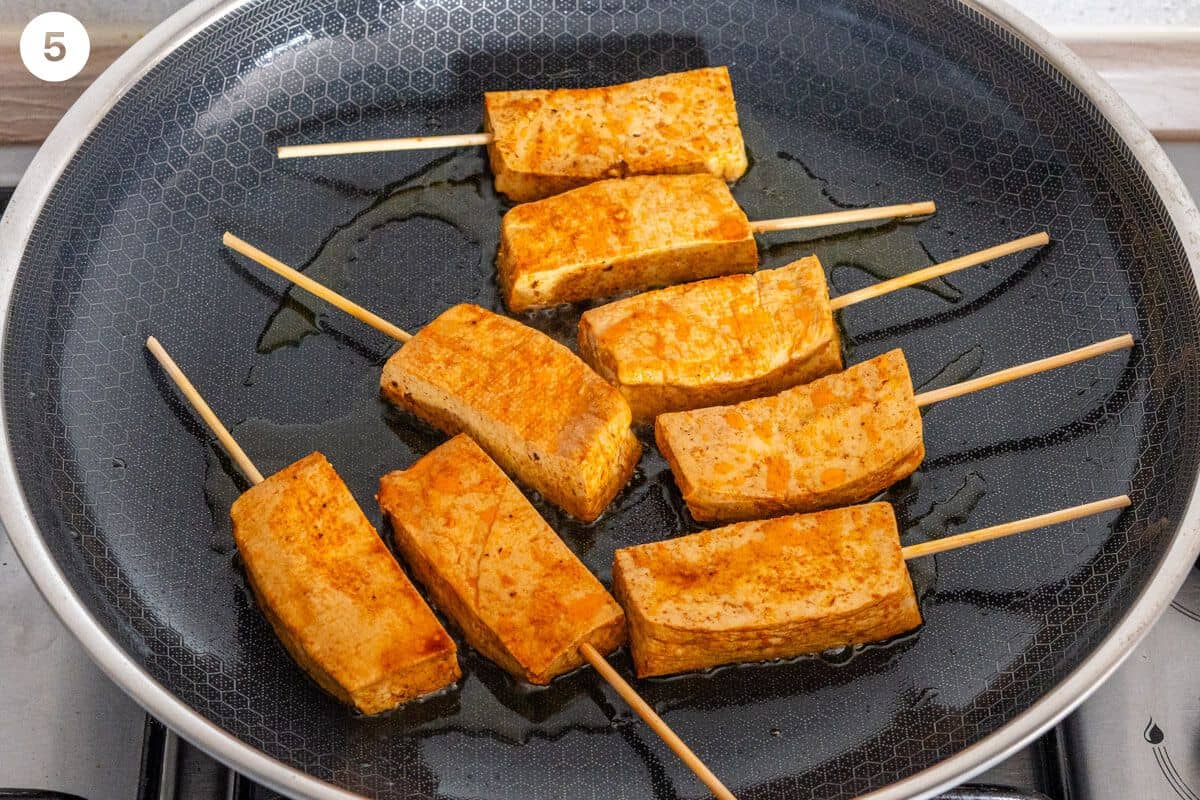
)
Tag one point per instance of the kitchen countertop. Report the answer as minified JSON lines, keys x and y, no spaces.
{"x":63,"y":724}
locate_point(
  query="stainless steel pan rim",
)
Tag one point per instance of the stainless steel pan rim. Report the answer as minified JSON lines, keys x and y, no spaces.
{"x":76,"y":125}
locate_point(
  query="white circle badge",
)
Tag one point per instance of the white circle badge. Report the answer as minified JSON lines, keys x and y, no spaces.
{"x":55,"y":46}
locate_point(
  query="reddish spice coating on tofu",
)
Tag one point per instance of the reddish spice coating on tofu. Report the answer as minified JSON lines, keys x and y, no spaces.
{"x":547,"y":141}
{"x":837,"y":440}
{"x":619,"y":235}
{"x":339,"y":602}
{"x":768,"y":589}
{"x":491,"y":563}
{"x":529,"y":402}
{"x":715,"y":342}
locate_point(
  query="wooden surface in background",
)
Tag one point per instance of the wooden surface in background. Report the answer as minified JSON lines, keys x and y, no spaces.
{"x":1156,"y":70}
{"x":30,"y":108}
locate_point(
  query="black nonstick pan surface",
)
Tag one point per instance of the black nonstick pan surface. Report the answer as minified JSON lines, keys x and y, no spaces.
{"x":119,"y":503}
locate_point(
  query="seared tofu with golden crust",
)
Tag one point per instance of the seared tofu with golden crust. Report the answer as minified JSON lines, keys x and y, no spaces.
{"x":621,"y":235}
{"x":768,"y":589}
{"x":547,"y":141}
{"x":490,"y":562}
{"x":715,"y":342}
{"x":529,"y":402}
{"x":837,"y":440}
{"x":339,"y":602}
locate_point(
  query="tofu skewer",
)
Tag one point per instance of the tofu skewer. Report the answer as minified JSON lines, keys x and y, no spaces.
{"x":541,"y":142}
{"x":338,"y":601}
{"x":531,"y":403}
{"x":518,"y":593}
{"x":346,"y":611}
{"x":544,"y":141}
{"x":737,"y":337}
{"x":490,"y":562}
{"x":783,"y":587}
{"x":631,"y":234}
{"x":838,"y":440}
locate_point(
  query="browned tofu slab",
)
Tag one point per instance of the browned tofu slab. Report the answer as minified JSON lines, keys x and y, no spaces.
{"x":339,"y":602}
{"x":529,"y":402}
{"x":715,"y":342}
{"x":837,"y":440}
{"x":620,"y":235}
{"x":547,"y":141}
{"x":489,"y":561}
{"x":768,"y":589}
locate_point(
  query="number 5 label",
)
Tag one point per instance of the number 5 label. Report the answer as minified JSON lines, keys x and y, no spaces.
{"x":55,"y":46}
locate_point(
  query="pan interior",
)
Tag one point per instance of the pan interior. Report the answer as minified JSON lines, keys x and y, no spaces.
{"x":842,"y":105}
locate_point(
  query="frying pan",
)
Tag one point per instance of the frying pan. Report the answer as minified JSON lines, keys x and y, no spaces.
{"x":118,"y":504}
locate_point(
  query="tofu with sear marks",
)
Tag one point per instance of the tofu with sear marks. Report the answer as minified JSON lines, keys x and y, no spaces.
{"x":715,"y":342}
{"x":621,"y":235}
{"x":336,"y":597}
{"x":490,"y":562}
{"x":838,"y":440}
{"x":767,"y":589}
{"x":547,"y":141}
{"x":530,"y":403}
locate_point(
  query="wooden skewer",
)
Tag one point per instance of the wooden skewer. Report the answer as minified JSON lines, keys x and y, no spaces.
{"x":384,"y":145}
{"x":593,"y":657}
{"x":923,"y":399}
{"x":1024,"y":370}
{"x":309,"y":285}
{"x":476,"y":139}
{"x":205,"y":411}
{"x":240,"y":245}
{"x":655,"y":722}
{"x":938,"y":270}
{"x":1009,"y":528}
{"x":843,"y":217}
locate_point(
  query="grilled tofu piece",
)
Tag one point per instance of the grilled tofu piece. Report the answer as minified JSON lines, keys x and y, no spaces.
{"x":768,"y":589}
{"x":547,"y":141}
{"x":532,"y":405}
{"x":489,"y":561}
{"x":837,"y":440}
{"x":715,"y":342}
{"x":619,"y":235}
{"x":339,"y":602}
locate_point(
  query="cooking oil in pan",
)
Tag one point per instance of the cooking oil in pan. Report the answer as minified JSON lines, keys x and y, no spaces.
{"x":452,"y":191}
{"x":451,"y":211}
{"x":958,"y":369}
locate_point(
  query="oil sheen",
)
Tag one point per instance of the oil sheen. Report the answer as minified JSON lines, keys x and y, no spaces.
{"x":449,"y":207}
